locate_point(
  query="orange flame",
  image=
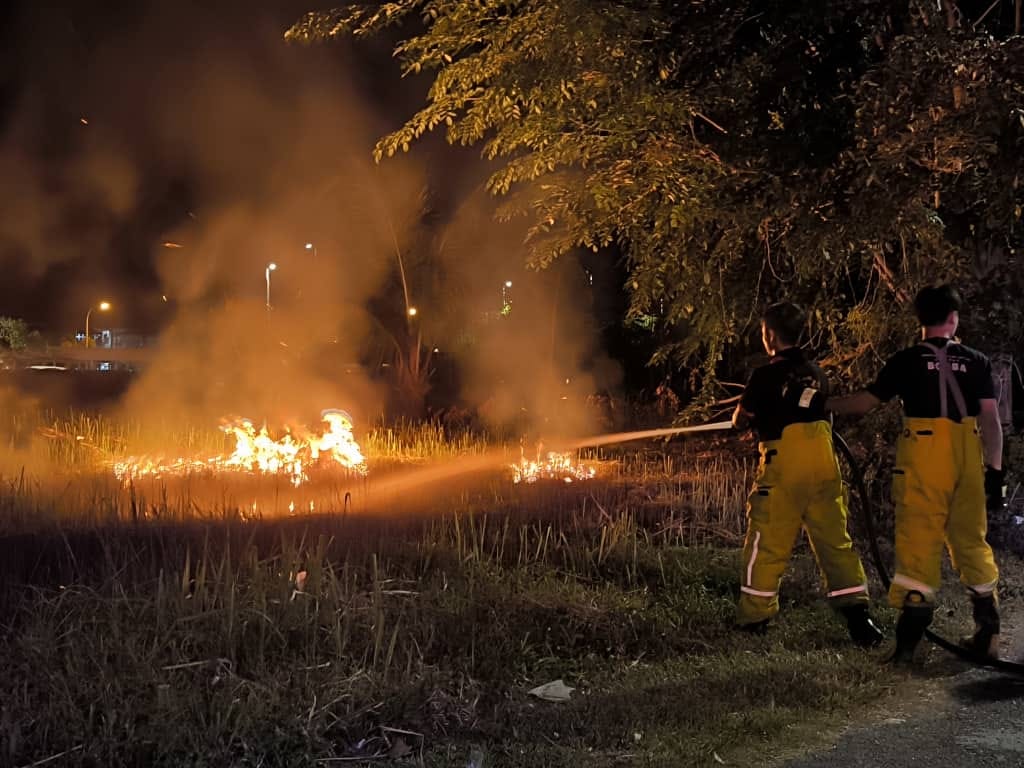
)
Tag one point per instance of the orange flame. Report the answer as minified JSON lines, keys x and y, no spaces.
{"x":553,"y":466}
{"x":258,"y":453}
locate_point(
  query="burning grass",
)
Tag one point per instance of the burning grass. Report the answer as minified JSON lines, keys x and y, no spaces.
{"x":550,"y":465}
{"x":215,"y":637}
{"x":80,"y":470}
{"x":256,"y":451}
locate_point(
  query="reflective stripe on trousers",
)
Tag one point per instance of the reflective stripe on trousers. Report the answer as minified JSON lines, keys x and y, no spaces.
{"x":798,"y":486}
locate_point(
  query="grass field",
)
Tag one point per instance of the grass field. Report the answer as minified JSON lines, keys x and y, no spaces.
{"x":208,"y":638}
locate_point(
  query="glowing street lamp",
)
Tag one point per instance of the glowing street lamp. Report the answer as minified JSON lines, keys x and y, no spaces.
{"x":413,"y":311}
{"x":103,"y":306}
{"x":270,"y":268}
{"x":506,"y":300}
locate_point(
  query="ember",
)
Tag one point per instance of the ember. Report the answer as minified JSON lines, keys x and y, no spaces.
{"x":257,"y":452}
{"x":556,"y":466}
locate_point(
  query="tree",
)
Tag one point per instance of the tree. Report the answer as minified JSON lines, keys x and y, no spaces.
{"x":14,"y":333}
{"x":840,"y":154}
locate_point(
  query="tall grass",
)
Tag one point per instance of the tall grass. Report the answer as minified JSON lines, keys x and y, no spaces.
{"x":292,"y":642}
{"x":59,"y":474}
{"x":77,"y":440}
{"x":168,"y":624}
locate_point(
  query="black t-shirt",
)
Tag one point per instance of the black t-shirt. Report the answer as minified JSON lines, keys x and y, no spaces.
{"x":912,"y":375}
{"x":789,"y":390}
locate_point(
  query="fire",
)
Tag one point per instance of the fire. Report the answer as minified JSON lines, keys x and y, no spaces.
{"x":257,"y":452}
{"x":550,"y":466}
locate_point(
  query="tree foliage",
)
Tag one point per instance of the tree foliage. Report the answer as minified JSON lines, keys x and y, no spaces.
{"x":14,"y":333}
{"x":839,"y":154}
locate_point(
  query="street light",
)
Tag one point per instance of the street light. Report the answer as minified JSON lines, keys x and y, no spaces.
{"x":270,"y":268}
{"x":413,"y":311}
{"x":103,"y":306}
{"x":506,"y":300}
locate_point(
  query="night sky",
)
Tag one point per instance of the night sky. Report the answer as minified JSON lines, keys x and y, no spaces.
{"x":125,"y":124}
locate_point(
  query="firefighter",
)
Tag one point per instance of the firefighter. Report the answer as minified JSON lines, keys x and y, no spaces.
{"x":798,"y":484}
{"x":946,"y":476}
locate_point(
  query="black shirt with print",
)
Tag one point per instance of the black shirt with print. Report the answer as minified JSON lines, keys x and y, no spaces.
{"x":912,"y":375}
{"x":789,"y":390}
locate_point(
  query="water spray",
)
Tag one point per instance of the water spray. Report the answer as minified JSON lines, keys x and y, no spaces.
{"x":646,"y":434}
{"x":402,"y":483}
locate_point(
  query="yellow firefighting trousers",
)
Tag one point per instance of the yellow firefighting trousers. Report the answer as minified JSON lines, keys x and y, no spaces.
{"x":798,"y":486}
{"x":939,"y":492}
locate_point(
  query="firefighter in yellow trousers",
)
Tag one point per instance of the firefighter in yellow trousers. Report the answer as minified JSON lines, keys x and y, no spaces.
{"x":948,"y":471}
{"x":798,"y":484}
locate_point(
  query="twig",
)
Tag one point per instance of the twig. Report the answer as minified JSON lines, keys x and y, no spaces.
{"x":1013,"y":495}
{"x":51,"y":758}
{"x":985,"y":14}
{"x":385,"y":729}
{"x":887,"y":276}
{"x":350,"y":759}
{"x":709,"y":121}
{"x":203,"y":663}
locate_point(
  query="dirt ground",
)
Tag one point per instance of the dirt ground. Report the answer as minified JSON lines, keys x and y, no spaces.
{"x":970,"y":718}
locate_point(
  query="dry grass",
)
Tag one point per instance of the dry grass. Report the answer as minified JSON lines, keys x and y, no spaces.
{"x":195,"y":646}
{"x":161,"y":632}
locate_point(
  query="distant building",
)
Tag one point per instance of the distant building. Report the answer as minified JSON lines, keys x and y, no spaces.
{"x":122,"y":338}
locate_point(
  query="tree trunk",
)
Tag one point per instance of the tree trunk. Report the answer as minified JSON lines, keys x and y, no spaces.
{"x":951,"y":14}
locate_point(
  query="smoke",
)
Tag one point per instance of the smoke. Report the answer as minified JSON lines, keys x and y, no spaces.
{"x":315,"y":233}
{"x":238,"y":150}
{"x":530,"y":350}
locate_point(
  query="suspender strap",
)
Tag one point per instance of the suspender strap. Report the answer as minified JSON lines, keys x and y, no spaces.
{"x":947,"y":383}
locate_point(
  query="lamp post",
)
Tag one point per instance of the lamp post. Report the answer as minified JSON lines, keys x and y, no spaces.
{"x":270,"y":268}
{"x":103,"y":306}
{"x":311,"y":247}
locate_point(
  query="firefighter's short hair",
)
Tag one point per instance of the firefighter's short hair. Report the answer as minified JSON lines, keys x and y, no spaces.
{"x":787,"y":320}
{"x":934,"y":303}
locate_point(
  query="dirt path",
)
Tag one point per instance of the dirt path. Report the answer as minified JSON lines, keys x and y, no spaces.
{"x":973,"y":719}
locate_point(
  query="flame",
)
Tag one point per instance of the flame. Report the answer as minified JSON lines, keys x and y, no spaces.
{"x":258,"y":452}
{"x":553,"y":466}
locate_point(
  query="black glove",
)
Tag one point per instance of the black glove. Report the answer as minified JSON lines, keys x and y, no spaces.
{"x":995,"y":489}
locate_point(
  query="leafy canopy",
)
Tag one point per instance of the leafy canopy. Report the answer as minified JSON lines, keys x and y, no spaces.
{"x":840,"y":155}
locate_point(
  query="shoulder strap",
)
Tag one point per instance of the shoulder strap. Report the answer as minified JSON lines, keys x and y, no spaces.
{"x":947,"y":383}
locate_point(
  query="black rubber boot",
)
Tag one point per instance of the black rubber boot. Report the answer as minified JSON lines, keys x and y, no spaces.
{"x":913,"y":621}
{"x":755,"y":628}
{"x":863,"y":630}
{"x":985,"y":640}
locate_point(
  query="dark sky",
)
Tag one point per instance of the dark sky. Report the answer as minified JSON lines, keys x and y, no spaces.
{"x":127,"y":123}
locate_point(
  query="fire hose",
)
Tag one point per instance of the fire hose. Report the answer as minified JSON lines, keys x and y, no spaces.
{"x":867,"y":516}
